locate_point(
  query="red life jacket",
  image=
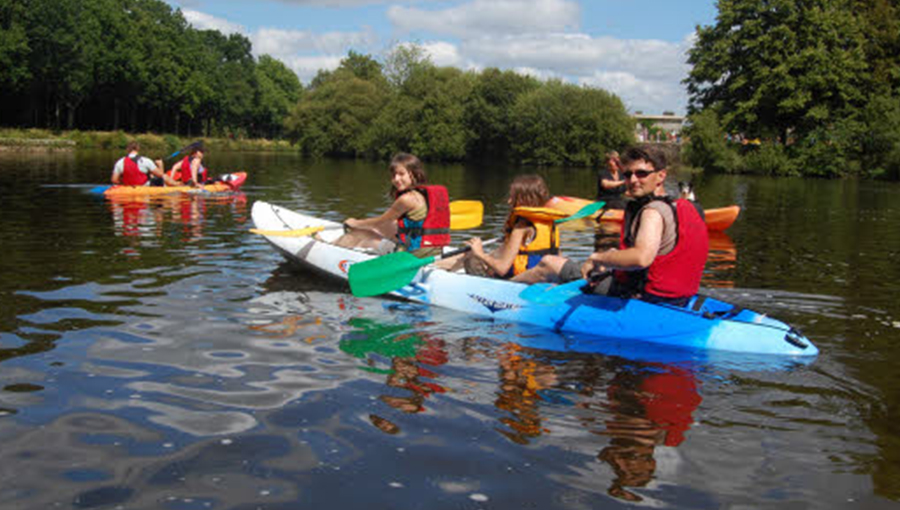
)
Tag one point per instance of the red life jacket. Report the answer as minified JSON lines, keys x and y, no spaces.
{"x":432,"y":232}
{"x":132,"y":175}
{"x":676,"y":274}
{"x":186,"y":171}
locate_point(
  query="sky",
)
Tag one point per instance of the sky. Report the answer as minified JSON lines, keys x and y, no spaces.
{"x":633,"y":48}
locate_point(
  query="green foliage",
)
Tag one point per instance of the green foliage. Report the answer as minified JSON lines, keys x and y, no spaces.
{"x":333,"y":117}
{"x":565,"y":124}
{"x":768,"y":159}
{"x":133,"y":64}
{"x":817,"y":81}
{"x":771,"y":67}
{"x":489,"y":112}
{"x":707,"y":147}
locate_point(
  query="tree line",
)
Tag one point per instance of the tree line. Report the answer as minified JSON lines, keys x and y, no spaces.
{"x":138,"y":66}
{"x":814,"y":83}
{"x":134,"y":65}
{"x":370,"y":108}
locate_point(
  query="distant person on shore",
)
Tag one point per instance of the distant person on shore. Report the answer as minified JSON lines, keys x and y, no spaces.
{"x":136,"y":170}
{"x":528,"y":235}
{"x":662,"y":249}
{"x":190,"y":170}
{"x":610,"y":184}
{"x":418,"y":221}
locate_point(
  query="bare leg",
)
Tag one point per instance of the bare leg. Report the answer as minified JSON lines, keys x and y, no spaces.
{"x":359,"y":239}
{"x":547,"y":270}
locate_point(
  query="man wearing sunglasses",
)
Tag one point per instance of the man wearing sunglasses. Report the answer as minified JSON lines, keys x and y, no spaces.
{"x":662,"y":249}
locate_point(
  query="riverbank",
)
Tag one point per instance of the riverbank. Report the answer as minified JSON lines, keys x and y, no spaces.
{"x":41,"y":139}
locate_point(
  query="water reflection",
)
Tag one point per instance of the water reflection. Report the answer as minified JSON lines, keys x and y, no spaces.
{"x":144,"y":217}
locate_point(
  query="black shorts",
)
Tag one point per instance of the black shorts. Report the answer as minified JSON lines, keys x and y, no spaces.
{"x":571,"y":271}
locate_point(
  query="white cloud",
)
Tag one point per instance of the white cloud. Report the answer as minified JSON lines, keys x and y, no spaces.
{"x":528,"y":36}
{"x":203,"y":21}
{"x":444,"y":54}
{"x":342,"y":3}
{"x":307,"y":67}
{"x":489,"y":18}
{"x":646,"y":74}
{"x":640,"y":94}
{"x":277,"y":42}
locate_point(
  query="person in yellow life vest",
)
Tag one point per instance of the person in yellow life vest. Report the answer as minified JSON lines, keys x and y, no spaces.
{"x":529,"y":234}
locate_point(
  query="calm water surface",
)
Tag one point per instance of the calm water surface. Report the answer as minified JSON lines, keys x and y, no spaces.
{"x":157,"y":355}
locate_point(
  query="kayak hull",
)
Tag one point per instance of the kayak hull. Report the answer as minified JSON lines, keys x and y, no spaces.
{"x":233,"y":183}
{"x":716,"y":326}
{"x":717,"y":219}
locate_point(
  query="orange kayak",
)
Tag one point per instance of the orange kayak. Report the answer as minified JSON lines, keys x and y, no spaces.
{"x":717,"y":219}
{"x":226,"y":183}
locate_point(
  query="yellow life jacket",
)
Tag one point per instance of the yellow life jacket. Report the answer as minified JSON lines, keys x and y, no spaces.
{"x":546,"y":238}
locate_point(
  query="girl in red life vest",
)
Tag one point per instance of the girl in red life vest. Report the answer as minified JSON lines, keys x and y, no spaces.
{"x":190,"y":170}
{"x":529,"y":234}
{"x":418,"y":221}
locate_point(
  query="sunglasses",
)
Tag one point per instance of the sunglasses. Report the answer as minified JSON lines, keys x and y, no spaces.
{"x":640,"y":174}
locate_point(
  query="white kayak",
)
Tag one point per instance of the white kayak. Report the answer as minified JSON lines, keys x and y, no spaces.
{"x":704,"y":323}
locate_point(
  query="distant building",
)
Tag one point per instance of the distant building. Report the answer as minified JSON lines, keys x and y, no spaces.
{"x":662,"y":128}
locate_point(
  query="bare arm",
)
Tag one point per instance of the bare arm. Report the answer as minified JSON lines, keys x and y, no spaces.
{"x":502,"y":260}
{"x":639,"y":256}
{"x":407,"y":202}
{"x":611,"y":183}
{"x":195,"y":169}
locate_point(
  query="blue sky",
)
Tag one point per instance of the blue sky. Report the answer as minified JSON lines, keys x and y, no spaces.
{"x":634,"y":48}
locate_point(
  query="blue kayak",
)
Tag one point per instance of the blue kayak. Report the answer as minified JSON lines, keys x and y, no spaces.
{"x":705,"y":323}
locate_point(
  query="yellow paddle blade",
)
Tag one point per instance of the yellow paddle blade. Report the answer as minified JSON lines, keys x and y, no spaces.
{"x":465,"y":214}
{"x":300,"y":232}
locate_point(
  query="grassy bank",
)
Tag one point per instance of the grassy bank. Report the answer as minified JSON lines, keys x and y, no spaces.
{"x":116,"y":140}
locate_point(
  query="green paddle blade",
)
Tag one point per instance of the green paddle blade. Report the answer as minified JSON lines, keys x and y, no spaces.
{"x":385,"y":274}
{"x":584,"y":212}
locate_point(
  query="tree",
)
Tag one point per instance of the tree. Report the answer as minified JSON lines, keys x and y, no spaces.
{"x":402,"y":62}
{"x":780,"y":66}
{"x":488,"y":113}
{"x":278,"y":90}
{"x":333,"y":118}
{"x":561,"y":123}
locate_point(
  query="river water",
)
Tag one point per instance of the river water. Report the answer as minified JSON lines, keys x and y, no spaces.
{"x":158,"y":355}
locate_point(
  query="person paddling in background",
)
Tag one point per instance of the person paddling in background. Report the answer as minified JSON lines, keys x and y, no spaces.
{"x":418,"y":221}
{"x":662,"y":249}
{"x":528,"y":234}
{"x":136,"y":170}
{"x":190,"y":170}
{"x":610,"y":184}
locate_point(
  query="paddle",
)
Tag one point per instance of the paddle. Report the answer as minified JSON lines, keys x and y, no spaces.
{"x":464,"y":214}
{"x":300,"y":232}
{"x":553,"y":294}
{"x":390,"y":272}
{"x":584,"y":212}
{"x":186,"y":147}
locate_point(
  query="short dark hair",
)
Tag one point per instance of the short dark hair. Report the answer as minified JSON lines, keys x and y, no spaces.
{"x":651,"y":155}
{"x":132,"y":146}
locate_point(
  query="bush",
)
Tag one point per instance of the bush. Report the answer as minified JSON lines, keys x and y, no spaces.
{"x":768,"y":159}
{"x":707,"y":148}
